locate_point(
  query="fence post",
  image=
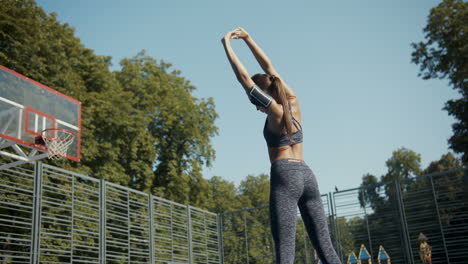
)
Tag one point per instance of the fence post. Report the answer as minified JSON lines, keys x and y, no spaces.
{"x":440,"y":221}
{"x":333,"y":218}
{"x":337,"y":228}
{"x":72,"y":219}
{"x":151,"y":229}
{"x":304,"y":235}
{"x":102,"y":221}
{"x":219,"y":219}
{"x":129,"y":235}
{"x":189,"y":230}
{"x":368,"y":233}
{"x":246,"y":237}
{"x":404,"y":223}
{"x":36,"y":213}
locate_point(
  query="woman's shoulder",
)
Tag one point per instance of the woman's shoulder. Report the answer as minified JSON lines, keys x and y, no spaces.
{"x":275,"y":113}
{"x":295,"y":109}
{"x":293,"y":101}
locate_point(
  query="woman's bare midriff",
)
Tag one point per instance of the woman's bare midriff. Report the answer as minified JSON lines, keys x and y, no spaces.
{"x":286,"y":152}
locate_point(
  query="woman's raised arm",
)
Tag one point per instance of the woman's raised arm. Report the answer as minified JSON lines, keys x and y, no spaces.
{"x":261,"y":57}
{"x":241,"y":72}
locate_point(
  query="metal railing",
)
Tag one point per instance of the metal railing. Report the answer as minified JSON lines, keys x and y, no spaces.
{"x":50,"y":215}
{"x":390,"y":214}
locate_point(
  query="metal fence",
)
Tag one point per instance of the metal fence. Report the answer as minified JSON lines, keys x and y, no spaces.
{"x":391,"y":215}
{"x":246,"y":236}
{"x":50,"y":215}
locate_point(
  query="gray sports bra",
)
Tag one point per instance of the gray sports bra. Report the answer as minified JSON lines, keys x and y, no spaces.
{"x":274,"y":140}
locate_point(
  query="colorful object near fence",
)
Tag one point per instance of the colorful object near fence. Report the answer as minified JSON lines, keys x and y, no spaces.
{"x":364,"y":255}
{"x":316,"y":257}
{"x":383,"y":257}
{"x":425,"y":250}
{"x":352,"y":259}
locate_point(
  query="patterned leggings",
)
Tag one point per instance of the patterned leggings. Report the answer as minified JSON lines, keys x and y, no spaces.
{"x":293,"y":184}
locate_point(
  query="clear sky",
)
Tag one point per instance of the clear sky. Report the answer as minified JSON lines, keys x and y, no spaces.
{"x":348,"y":61}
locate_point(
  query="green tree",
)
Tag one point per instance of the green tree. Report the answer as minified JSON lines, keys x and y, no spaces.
{"x":445,"y":163}
{"x":141,"y":126}
{"x":403,"y":165}
{"x":444,"y":54}
{"x":39,"y":46}
{"x":254,"y":191}
{"x":223,"y":195}
{"x":178,"y":125}
{"x":416,"y":204}
{"x":436,"y":199}
{"x":200,"y":190}
{"x":369,"y":192}
{"x":380,"y":221}
{"x":246,"y":230}
{"x":450,"y":188}
{"x":353,"y":234}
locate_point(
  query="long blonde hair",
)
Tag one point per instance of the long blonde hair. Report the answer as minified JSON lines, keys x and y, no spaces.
{"x":273,"y":86}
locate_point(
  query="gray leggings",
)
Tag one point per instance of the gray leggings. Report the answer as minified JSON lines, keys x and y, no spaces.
{"x":293,"y":184}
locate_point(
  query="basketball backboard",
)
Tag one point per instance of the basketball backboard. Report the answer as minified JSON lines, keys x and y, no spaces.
{"x":26,"y":109}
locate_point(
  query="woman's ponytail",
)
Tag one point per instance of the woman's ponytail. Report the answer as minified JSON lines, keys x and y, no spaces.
{"x":278,"y":89}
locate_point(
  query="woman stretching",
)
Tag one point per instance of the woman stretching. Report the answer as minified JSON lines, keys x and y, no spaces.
{"x":291,"y":180}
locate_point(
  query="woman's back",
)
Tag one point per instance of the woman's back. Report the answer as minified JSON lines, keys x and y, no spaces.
{"x":280,"y":146}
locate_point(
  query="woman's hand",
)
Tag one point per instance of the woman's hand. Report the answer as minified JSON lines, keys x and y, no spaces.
{"x":238,"y":33}
{"x":230,"y":35}
{"x":241,"y":33}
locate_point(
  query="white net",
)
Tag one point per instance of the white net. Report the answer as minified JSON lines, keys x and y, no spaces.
{"x":57,"y":142}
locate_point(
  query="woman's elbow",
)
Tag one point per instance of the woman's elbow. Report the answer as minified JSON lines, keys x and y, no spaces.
{"x":243,"y":78}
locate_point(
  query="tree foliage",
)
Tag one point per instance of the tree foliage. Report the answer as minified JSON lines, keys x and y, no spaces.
{"x":246,"y":230}
{"x":403,"y":165}
{"x":141,"y":125}
{"x":444,"y":54}
{"x":38,"y":46}
{"x":254,"y":191}
{"x":223,"y":195}
{"x":369,"y":193}
{"x":180,"y":125}
{"x":425,"y":199}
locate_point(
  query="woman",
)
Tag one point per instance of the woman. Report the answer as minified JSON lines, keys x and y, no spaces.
{"x":292,"y":182}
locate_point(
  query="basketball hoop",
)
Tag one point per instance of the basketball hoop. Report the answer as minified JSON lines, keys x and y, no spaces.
{"x":57,"y":141}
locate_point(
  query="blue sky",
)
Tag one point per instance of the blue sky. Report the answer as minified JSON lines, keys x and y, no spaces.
{"x":348,"y":61}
